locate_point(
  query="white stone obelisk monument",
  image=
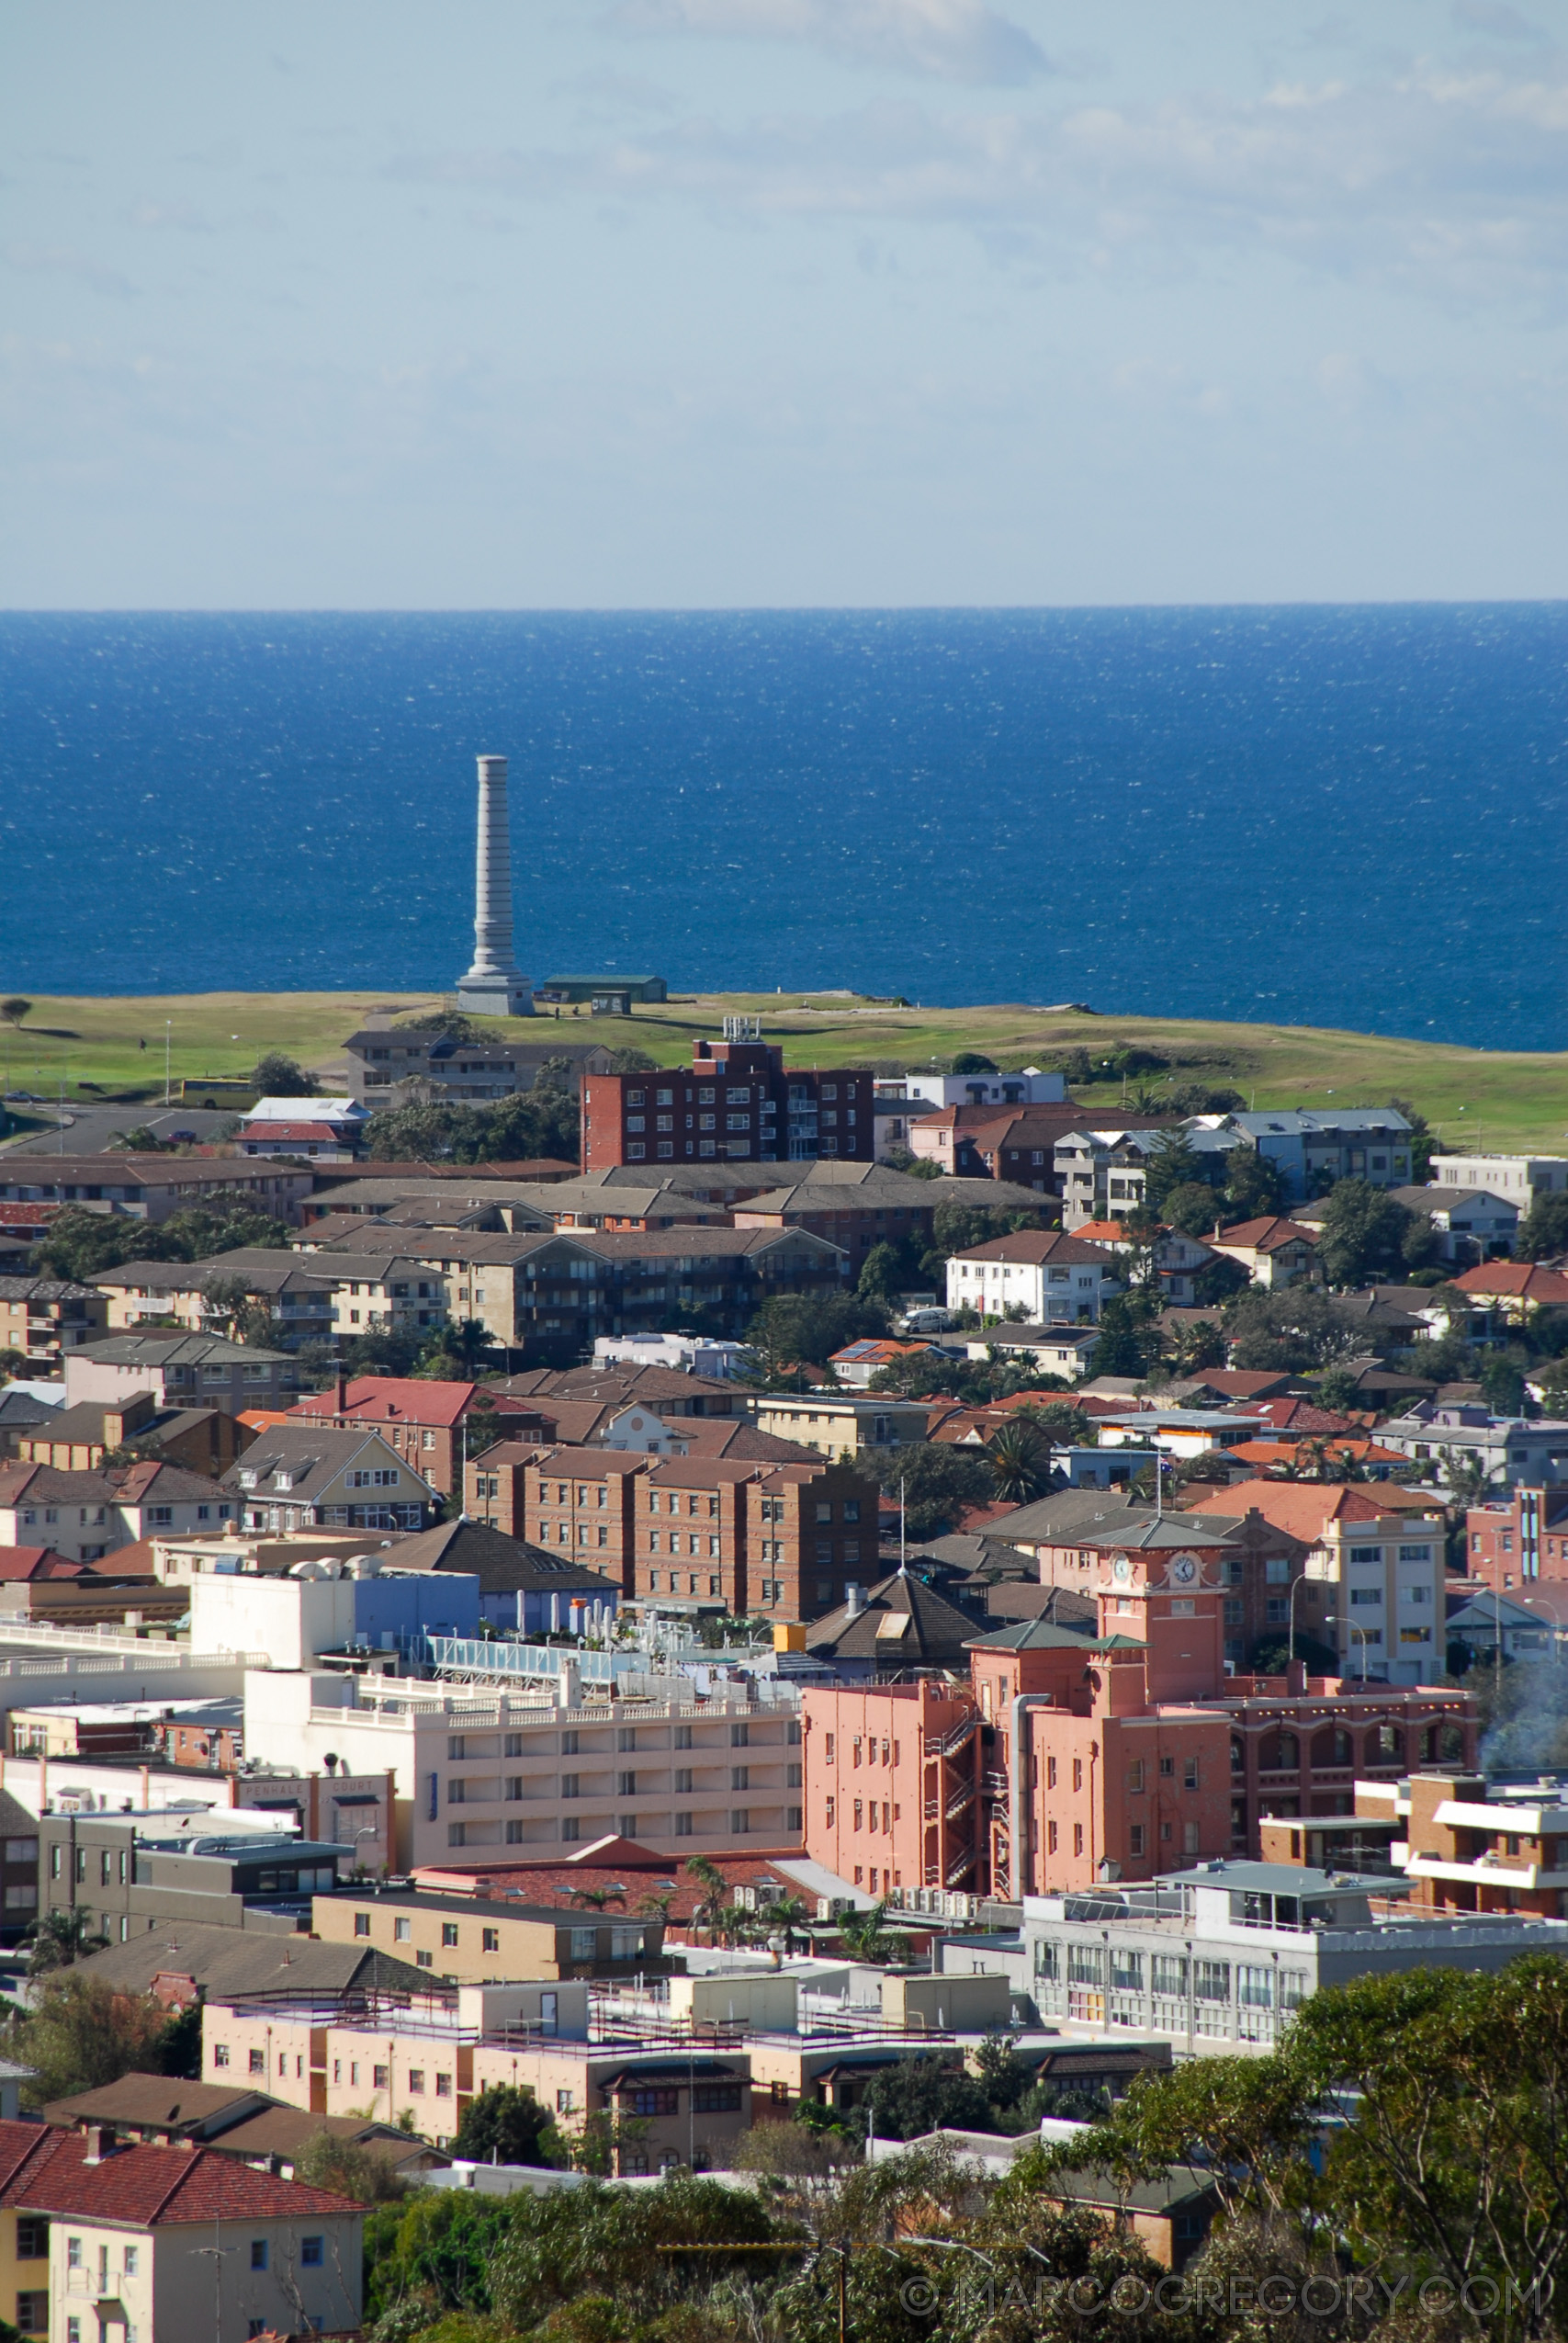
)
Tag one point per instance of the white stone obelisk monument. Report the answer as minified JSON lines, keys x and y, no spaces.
{"x":494,"y":987}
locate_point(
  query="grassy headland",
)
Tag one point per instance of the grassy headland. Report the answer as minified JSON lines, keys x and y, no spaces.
{"x":1474,"y":1098}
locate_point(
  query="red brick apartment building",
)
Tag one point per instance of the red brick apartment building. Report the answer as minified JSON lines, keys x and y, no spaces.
{"x":738,"y":1100}
{"x":690,"y":1531}
{"x":1517,"y":1540}
{"x":1115,"y":1756}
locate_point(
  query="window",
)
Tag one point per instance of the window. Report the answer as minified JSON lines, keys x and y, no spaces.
{"x":258,"y":2062}
{"x":563,"y":2104}
{"x":448,"y":1931}
{"x":32,"y":2312}
{"x":380,"y":2077}
{"x":717,"y":2099}
{"x":584,"y":1943}
{"x":416,"y":2081}
{"x":362,"y":1923}
{"x":402,"y":1931}
{"x":1211,"y":1981}
{"x":1168,"y":1972}
{"x":32,"y":2239}
{"x":310,"y":2253}
{"x":424,"y":1960}
{"x":490,"y":1940}
{"x":220,"y":2054}
{"x":259,"y":2253}
{"x":1135,"y":1838}
{"x":1126,"y":1970}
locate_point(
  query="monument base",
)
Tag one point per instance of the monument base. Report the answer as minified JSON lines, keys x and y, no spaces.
{"x":495,"y":997}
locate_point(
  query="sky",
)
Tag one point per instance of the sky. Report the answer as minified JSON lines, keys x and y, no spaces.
{"x":678,"y":303}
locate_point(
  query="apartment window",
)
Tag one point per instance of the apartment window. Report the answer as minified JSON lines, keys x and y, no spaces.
{"x":740,"y":1823}
{"x":424,"y":1960}
{"x":416,"y":2081}
{"x":490,"y":1940}
{"x":362,"y":1923}
{"x":682,"y":1826}
{"x":739,"y":1736}
{"x":1191,"y":1837}
{"x":311,"y":2253}
{"x":569,"y":1784}
{"x":380,"y":2077}
{"x":258,"y":2062}
{"x":220,"y":2054}
{"x":683,"y":1738}
{"x":563,"y":2104}
{"x":584,"y":1943}
{"x":1136,"y":1774}
{"x":684,"y":1782}
{"x":1077,"y":1839}
{"x":402,"y":1931}
{"x":448,"y":1931}
{"x":32,"y":2312}
{"x":259,"y":2253}
{"x":1135,"y":1838}
{"x":1189,"y":1774}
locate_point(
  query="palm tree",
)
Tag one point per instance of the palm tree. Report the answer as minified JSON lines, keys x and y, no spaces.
{"x":657,"y":1907}
{"x":61,"y":1937}
{"x":1019,"y":1459}
{"x":789,"y":1918}
{"x":864,"y":1935}
{"x":600,"y":1896}
{"x":715,"y":1898}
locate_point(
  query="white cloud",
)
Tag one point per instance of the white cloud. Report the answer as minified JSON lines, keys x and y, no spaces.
{"x":1448,"y":183}
{"x":63,"y":260}
{"x":956,"y":41}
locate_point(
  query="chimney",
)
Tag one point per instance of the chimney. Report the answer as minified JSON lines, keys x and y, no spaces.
{"x":853,"y":1600}
{"x":340,"y":1403}
{"x":100,"y":2143}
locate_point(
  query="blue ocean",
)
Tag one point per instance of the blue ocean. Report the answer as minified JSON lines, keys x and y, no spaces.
{"x":1349,"y":817}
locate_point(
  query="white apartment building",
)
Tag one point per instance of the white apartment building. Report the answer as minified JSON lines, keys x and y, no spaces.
{"x":1518,"y":1178}
{"x":1030,"y":1088}
{"x":1374,"y":1591}
{"x":536,"y":1771}
{"x":1219,"y":1960}
{"x":1057,"y":1279}
{"x":1100,"y":1173}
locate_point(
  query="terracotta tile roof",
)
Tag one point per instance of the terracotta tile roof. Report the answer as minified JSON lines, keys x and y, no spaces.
{"x":641,"y":1872}
{"x":1267,"y":1235}
{"x":1263,"y":1452}
{"x":380,"y":1398}
{"x":1305,"y":1508}
{"x":24,"y":1562}
{"x":1300,"y":1416}
{"x":1517,"y":1281}
{"x":155,"y":2187}
{"x":1034,"y":1245}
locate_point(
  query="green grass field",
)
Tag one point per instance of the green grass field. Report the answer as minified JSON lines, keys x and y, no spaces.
{"x":1474,"y":1098}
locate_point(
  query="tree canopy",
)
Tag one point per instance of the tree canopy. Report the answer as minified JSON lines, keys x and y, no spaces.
{"x":276,"y":1076}
{"x":939,"y":1479}
{"x":81,"y":1244}
{"x":1367,"y":1235}
{"x":1288,"y":1332}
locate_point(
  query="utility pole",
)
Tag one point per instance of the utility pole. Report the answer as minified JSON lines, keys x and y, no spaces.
{"x":168,"y":1043}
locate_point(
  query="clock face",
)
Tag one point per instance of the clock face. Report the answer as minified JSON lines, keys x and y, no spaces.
{"x":1184,"y":1569}
{"x":1121,"y":1570}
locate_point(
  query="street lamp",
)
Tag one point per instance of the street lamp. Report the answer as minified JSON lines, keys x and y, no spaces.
{"x":1355,"y":1629}
{"x":1295,"y":1590}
